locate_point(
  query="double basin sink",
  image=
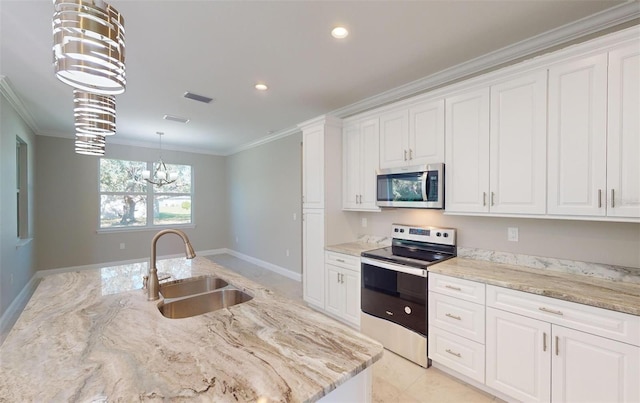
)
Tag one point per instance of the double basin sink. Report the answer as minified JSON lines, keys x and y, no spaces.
{"x":198,"y":295}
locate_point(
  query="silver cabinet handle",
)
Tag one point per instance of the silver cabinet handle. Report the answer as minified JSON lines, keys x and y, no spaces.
{"x":543,"y":309}
{"x":557,"y":346}
{"x":484,"y":198}
{"x":405,"y":155}
{"x":613,"y":198}
{"x":452,"y":353}
{"x":338,"y":276}
{"x":493,"y":195}
{"x":340,"y":260}
{"x":452,"y":316}
{"x":453,"y":287}
{"x":544,"y":341}
{"x":341,"y":278}
{"x":599,"y":198}
{"x":410,"y":154}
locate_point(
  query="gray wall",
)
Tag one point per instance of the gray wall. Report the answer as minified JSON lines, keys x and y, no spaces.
{"x":67,"y":206}
{"x":16,"y":263}
{"x":590,"y":241}
{"x":265,"y":191}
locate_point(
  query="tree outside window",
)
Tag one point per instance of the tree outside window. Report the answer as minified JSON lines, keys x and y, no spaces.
{"x":127,"y":200}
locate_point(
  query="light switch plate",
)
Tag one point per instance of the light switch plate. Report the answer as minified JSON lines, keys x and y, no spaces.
{"x":512,"y":234}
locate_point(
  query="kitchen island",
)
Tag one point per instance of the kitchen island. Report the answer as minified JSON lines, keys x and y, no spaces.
{"x":92,"y":335}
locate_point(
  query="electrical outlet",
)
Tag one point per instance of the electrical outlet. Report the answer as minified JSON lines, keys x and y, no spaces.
{"x":512,"y":234}
{"x":122,"y":245}
{"x":364,"y":222}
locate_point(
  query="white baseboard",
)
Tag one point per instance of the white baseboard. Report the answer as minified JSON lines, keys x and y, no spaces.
{"x":14,"y":310}
{"x":266,"y":265}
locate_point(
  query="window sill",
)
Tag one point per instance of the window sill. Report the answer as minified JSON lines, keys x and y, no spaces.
{"x":23,"y":242}
{"x":143,"y":229}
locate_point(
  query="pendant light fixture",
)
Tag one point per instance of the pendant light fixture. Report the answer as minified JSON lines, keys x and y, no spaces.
{"x":88,"y":55}
{"x":161,"y":175}
{"x":88,"y":46}
{"x":94,"y":114}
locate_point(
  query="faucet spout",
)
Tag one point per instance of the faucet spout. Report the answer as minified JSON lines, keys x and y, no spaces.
{"x":153,"y":285}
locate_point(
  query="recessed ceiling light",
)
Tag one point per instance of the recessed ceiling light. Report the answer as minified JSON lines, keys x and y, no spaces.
{"x":261,"y":87}
{"x":339,"y":32}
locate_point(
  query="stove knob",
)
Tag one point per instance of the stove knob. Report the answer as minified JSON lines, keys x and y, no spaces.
{"x":395,"y":230}
{"x":407,"y":310}
{"x":446,"y":235}
{"x":401,"y":229}
{"x":438,"y":234}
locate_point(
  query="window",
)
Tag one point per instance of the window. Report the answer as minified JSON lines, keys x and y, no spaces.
{"x":128,"y":201}
{"x":22,"y":201}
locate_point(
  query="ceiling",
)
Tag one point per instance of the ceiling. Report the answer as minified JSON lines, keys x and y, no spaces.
{"x":221,"y":49}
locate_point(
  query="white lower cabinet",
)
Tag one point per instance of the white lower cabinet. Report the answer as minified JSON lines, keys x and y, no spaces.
{"x":531,"y":348}
{"x":457,"y":325}
{"x":518,"y":356}
{"x":343,"y":287}
{"x":542,"y":359}
{"x":313,"y":257}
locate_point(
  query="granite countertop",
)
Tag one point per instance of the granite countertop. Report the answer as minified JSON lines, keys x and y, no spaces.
{"x":92,"y":335}
{"x":356,"y":248}
{"x":583,"y":289}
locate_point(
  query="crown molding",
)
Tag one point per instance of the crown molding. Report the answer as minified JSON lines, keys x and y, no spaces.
{"x":264,"y":140}
{"x":609,"y":18}
{"x":14,"y":100}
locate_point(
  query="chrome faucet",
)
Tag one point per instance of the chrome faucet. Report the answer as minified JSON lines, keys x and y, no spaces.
{"x":152,"y":283}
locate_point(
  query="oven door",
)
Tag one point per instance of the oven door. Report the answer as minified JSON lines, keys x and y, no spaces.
{"x":395,"y":293}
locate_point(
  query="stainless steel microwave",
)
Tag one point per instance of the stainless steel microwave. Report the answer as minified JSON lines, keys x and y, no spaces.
{"x":420,"y":186}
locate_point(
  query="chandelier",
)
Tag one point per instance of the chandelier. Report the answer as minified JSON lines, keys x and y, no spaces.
{"x":88,"y":55}
{"x":161,"y":175}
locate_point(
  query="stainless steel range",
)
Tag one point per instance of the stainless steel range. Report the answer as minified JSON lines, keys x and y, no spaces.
{"x":394,"y":288}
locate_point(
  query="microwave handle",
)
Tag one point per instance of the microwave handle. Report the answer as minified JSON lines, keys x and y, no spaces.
{"x":425,"y":176}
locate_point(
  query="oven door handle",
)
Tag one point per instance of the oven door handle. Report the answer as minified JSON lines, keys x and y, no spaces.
{"x":394,"y":267}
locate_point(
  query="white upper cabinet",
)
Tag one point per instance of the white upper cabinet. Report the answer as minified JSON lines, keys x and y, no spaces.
{"x":594,"y":135}
{"x":577,"y":136}
{"x":518,"y":146}
{"x":413,"y":136}
{"x":313,"y":167}
{"x":623,"y":137}
{"x":426,"y":133}
{"x":467,"y":152}
{"x":360,"y":145}
{"x":394,"y":139}
{"x":496,"y":148}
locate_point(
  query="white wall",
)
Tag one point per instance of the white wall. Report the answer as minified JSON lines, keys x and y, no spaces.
{"x":16,"y":263}
{"x":265,"y":191}
{"x":68,"y":206}
{"x":590,"y":241}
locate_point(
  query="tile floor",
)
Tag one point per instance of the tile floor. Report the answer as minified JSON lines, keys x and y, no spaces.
{"x":395,"y":379}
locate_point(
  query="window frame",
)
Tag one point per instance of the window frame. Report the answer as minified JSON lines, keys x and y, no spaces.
{"x":150,"y":195}
{"x":22,"y":191}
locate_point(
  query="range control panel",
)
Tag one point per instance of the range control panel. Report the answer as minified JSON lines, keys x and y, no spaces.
{"x":444,"y":236}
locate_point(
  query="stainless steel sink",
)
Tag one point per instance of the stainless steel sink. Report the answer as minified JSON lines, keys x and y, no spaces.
{"x":203,"y":303}
{"x":191,"y":286}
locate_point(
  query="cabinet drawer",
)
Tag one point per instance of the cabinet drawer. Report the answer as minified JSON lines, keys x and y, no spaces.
{"x":456,"y":287}
{"x":601,"y":322}
{"x":455,"y":352}
{"x":459,"y":317}
{"x":342,"y":260}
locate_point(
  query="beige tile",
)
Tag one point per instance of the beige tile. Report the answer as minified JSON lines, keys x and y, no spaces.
{"x":383,"y":391}
{"x":397,"y":371}
{"x":436,"y":386}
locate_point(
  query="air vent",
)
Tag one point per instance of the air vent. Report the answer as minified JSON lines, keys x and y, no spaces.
{"x":176,"y":118}
{"x":196,"y":97}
